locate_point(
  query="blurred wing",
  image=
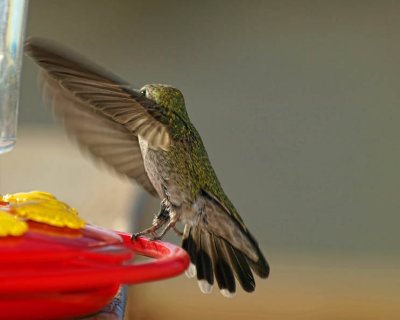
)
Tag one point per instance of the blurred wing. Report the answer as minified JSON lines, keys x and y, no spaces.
{"x":101,"y":91}
{"x":100,"y":115}
{"x":103,"y":139}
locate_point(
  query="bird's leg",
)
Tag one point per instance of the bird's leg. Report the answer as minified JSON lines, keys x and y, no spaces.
{"x":171,"y":224}
{"x":159,"y":220}
{"x":177,"y":231}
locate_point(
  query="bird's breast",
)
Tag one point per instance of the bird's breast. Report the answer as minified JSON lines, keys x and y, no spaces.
{"x":165,"y":171}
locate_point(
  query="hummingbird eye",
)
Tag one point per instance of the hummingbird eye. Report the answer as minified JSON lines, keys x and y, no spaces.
{"x":143,"y":92}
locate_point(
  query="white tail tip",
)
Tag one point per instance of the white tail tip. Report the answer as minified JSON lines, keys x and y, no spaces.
{"x":204,"y":286}
{"x":191,"y":271}
{"x":227,"y":294}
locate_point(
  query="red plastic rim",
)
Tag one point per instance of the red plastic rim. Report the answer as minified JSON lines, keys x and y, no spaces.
{"x":52,"y":274}
{"x":83,"y":274}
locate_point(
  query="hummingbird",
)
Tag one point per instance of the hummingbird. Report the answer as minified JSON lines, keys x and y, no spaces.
{"x":146,"y":135}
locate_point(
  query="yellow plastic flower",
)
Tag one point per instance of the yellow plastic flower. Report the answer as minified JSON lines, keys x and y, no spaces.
{"x":41,"y":207}
{"x":11,"y":226}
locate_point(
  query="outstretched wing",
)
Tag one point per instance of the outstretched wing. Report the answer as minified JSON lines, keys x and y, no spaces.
{"x":101,"y":112}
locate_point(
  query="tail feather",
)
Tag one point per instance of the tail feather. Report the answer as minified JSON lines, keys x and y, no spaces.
{"x":242,"y":270}
{"x":189,"y":244}
{"x":260,"y":267}
{"x":203,"y":263}
{"x":214,"y":256}
{"x":198,"y":246}
{"x":222,"y":268}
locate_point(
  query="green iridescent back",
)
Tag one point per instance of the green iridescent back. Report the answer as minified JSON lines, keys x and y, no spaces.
{"x":187,"y":150}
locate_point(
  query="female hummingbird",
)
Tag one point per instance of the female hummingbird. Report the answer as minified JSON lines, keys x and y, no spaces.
{"x":147,"y":136}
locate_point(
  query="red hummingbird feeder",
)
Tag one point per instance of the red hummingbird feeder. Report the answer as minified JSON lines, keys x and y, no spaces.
{"x":52,"y":272}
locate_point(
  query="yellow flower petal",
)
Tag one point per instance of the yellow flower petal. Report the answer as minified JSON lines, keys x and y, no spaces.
{"x":11,"y":226}
{"x":45,"y":208}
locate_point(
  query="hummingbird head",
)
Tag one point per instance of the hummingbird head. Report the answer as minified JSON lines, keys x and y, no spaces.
{"x":165,"y":96}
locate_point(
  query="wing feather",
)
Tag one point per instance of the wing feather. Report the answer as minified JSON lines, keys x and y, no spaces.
{"x":104,"y":140}
{"x":101,"y":91}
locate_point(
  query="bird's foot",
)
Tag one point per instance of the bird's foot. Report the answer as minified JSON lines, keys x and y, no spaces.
{"x":154,"y":235}
{"x":149,"y":231}
{"x":163,"y":217}
{"x":159,"y":220}
{"x":171,"y":225}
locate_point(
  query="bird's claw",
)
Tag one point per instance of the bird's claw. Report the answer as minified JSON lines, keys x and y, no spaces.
{"x":150,"y":231}
{"x":159,"y":220}
{"x":162,"y":218}
{"x":154,"y":235}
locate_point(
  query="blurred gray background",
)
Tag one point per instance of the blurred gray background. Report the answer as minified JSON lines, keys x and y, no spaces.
{"x":297,"y":102}
{"x":298,"y":106}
